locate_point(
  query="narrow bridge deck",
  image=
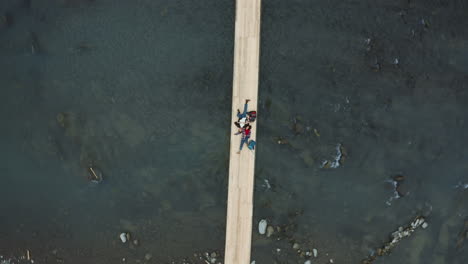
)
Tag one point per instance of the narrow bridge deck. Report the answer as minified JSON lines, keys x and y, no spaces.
{"x":241,"y":166}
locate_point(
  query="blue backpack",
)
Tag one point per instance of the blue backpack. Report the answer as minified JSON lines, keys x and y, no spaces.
{"x":252,"y":144}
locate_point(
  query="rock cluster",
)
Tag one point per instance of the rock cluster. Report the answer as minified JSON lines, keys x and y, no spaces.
{"x":206,"y":257}
{"x":396,"y":237}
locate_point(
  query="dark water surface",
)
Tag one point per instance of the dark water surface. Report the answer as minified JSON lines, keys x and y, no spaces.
{"x":330,"y":66}
{"x":141,"y":90}
{"x":144,"y":89}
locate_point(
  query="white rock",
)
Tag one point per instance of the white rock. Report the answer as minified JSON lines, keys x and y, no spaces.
{"x":123,"y":237}
{"x":418,"y":222}
{"x":308,"y":262}
{"x":331,"y":261}
{"x":253,"y":262}
{"x":262,"y":226}
{"x":315,"y":252}
{"x":425,"y":225}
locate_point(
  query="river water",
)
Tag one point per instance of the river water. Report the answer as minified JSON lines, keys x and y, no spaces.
{"x":141,"y":91}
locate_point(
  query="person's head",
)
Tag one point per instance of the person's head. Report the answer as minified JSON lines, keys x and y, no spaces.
{"x":248,"y":126}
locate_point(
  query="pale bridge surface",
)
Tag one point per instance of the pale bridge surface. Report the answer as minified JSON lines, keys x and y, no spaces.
{"x":241,"y":166}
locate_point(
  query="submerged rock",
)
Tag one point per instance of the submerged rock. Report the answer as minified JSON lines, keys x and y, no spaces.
{"x":298,"y":128}
{"x":307,"y":157}
{"x":341,"y":154}
{"x":281,"y":141}
{"x":398,"y":178}
{"x":62,"y":119}
{"x":6,"y":20}
{"x":270,"y":231}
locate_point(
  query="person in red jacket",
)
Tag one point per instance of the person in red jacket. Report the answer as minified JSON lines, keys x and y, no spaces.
{"x":245,"y":131}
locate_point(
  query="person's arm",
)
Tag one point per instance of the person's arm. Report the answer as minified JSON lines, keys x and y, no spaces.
{"x":239,"y":131}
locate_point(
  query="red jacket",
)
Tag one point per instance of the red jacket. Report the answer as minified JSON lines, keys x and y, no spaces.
{"x":246,"y":132}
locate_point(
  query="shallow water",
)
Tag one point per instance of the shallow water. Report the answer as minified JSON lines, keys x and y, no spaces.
{"x":141,"y":90}
{"x":318,"y":72}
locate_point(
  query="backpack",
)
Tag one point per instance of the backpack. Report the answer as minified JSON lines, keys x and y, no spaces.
{"x":252,"y":116}
{"x":252,"y":144}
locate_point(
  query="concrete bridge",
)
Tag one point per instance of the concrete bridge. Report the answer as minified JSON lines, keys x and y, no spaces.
{"x":242,"y":166}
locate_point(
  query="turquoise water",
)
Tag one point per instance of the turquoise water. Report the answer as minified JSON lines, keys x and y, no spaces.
{"x":141,"y":91}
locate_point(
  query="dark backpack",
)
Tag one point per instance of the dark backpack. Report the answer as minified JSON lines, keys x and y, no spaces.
{"x":252,"y":116}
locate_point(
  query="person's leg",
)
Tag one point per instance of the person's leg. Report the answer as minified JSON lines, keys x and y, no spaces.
{"x":244,"y":113}
{"x":245,"y":108}
{"x":243,"y":141}
{"x":241,"y":145}
{"x":246,"y":141}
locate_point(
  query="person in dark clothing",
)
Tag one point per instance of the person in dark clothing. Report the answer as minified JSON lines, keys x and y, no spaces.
{"x":243,"y":117}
